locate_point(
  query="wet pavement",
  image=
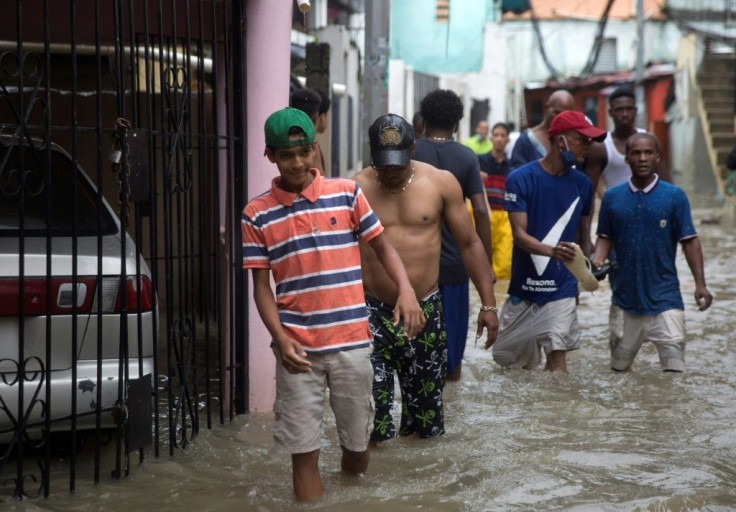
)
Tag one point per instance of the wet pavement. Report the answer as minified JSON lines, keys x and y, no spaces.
{"x":516,"y":440}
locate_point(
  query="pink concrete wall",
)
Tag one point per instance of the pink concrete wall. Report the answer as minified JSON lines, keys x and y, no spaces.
{"x":268,"y":40}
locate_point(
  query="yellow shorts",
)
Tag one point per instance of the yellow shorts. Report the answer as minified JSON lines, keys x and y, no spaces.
{"x":502,"y":241}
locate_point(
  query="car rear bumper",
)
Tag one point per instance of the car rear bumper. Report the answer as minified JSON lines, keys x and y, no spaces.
{"x":89,"y":390}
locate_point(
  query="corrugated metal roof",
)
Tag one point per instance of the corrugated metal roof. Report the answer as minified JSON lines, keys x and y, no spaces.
{"x":589,"y":10}
{"x":650,"y":73}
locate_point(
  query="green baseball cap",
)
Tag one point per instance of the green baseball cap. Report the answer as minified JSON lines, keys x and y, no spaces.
{"x":280,"y":122}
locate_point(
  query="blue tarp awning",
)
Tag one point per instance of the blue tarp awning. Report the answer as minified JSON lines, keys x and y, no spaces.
{"x":429,"y":46}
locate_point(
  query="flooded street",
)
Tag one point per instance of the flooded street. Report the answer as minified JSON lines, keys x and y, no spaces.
{"x":516,"y":440}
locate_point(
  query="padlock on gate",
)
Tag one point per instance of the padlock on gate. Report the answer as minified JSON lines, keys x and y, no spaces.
{"x":116,"y":153}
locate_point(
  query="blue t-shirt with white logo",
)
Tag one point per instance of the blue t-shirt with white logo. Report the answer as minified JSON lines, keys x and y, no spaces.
{"x":645,"y":227}
{"x":553,"y":205}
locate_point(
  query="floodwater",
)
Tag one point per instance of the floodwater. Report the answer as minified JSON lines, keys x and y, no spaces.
{"x":516,"y":440}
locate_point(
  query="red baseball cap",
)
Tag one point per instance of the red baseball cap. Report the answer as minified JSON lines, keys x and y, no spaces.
{"x":574,"y":120}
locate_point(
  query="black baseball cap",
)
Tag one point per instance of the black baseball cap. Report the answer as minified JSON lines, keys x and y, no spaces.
{"x":391,"y":138}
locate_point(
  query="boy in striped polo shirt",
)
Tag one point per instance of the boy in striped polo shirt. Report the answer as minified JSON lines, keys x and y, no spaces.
{"x":305,"y":231}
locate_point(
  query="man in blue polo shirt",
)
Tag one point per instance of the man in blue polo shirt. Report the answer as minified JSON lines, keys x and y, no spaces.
{"x":643,"y":220}
{"x":546,"y":199}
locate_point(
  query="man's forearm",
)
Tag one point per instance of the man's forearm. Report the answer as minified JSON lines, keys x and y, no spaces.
{"x":268,"y":310}
{"x":479,"y":270}
{"x":483,"y":228}
{"x":529,"y":244}
{"x":585,"y":239}
{"x":602,"y":248}
{"x":694,"y":256}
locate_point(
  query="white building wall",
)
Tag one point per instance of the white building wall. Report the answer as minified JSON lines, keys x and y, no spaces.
{"x":490,"y":83}
{"x":354,"y":91}
{"x":568,"y":44}
{"x":344,"y":72}
{"x":398,"y":89}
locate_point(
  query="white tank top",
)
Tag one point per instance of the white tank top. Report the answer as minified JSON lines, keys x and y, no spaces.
{"x":617,"y":171}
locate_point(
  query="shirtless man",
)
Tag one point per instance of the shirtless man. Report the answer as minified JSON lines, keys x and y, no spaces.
{"x":533,"y":144}
{"x":412,"y":199}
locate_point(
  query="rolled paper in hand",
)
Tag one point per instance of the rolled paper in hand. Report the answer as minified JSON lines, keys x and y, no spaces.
{"x":580,"y":268}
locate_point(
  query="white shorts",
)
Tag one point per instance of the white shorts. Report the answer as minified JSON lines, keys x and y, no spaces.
{"x":527,"y":328}
{"x":300,"y":401}
{"x":666,"y":330}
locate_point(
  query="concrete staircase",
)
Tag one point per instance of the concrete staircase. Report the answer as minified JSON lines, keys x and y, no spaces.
{"x":717,"y":81}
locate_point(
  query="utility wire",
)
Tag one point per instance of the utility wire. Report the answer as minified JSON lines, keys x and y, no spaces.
{"x":594,"y":51}
{"x":535,"y":24}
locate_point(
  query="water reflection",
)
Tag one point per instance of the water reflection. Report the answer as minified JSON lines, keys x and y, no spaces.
{"x":588,"y":440}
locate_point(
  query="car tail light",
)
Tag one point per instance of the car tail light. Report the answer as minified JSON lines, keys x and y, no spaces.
{"x":112,"y":296}
{"x":36,"y":291}
{"x":146,"y":295}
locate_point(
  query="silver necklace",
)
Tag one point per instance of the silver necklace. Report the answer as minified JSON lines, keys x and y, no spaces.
{"x":438,"y":139}
{"x":408,"y":182}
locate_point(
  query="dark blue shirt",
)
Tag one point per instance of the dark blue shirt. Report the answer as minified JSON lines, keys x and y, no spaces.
{"x":463,"y":164}
{"x":553,"y":206}
{"x":526,"y":150}
{"x":645,"y":226}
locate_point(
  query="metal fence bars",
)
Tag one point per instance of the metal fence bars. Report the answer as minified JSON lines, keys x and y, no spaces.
{"x":121,"y":144}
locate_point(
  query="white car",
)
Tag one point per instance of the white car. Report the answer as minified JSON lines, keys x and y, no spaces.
{"x":37,"y":311}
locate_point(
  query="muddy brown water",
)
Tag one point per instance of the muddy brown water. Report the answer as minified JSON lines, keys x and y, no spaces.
{"x":516,"y":440}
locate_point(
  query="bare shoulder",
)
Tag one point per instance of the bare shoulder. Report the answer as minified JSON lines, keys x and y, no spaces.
{"x":361,"y":176}
{"x":597,"y":153}
{"x":433,"y":174}
{"x":445,"y":181}
{"x":598,"y":149}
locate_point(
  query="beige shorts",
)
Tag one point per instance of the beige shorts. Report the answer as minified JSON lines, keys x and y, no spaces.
{"x":300,"y":401}
{"x":666,"y":330}
{"x":615,"y":324}
{"x":527,"y":328}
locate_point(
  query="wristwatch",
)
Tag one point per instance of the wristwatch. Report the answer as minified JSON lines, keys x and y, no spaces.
{"x":492,"y":309}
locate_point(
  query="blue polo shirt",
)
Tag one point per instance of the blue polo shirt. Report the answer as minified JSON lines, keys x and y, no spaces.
{"x":553,"y":206}
{"x":645,"y":227}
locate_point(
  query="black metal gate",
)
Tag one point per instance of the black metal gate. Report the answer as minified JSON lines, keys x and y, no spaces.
{"x":117,"y":116}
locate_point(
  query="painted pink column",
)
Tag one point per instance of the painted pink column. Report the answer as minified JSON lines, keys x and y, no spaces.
{"x":268,"y":40}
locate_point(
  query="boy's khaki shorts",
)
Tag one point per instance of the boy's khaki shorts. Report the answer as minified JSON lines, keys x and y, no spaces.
{"x":300,"y":401}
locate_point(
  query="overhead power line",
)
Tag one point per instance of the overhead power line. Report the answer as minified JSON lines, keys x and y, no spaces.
{"x":597,"y":43}
{"x":594,"y":51}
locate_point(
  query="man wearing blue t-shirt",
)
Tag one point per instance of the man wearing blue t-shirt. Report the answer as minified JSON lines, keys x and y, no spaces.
{"x":546,"y":200}
{"x":643,"y":220}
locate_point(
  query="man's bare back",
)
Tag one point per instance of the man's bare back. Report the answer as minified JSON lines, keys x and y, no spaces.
{"x":412,"y":219}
